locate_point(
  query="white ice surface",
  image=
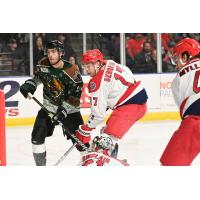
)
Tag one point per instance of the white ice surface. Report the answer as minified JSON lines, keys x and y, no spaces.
{"x":142,"y":145}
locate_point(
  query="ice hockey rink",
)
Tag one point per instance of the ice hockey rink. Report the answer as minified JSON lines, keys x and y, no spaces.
{"x":141,"y":146}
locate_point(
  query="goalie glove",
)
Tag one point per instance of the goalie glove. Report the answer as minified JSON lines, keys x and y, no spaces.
{"x":29,"y":86}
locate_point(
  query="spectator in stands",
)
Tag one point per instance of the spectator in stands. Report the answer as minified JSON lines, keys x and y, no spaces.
{"x":154,"y":56}
{"x":69,"y":51}
{"x":12,"y":47}
{"x":20,"y":56}
{"x":167,"y":65}
{"x":152,"y":38}
{"x":112,"y":42}
{"x":72,"y":60}
{"x":195,"y":36}
{"x":143,"y":60}
{"x":1,"y":46}
{"x":38,"y":49}
{"x":134,"y":44}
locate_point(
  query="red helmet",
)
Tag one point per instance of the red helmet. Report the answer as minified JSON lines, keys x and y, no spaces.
{"x":186,"y":45}
{"x":92,"y":56}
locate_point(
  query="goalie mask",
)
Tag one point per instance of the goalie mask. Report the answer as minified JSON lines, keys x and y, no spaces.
{"x":102,"y":144}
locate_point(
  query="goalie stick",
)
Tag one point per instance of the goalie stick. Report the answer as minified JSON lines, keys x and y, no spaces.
{"x":67,"y":131}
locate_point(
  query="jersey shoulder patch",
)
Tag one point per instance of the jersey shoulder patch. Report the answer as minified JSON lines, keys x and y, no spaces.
{"x":95,"y":82}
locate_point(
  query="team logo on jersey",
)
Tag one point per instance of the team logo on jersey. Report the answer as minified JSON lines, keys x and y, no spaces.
{"x":91,"y":86}
{"x":44,"y":69}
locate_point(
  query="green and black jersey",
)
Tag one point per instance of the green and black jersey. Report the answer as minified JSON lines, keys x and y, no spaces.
{"x":60,"y":86}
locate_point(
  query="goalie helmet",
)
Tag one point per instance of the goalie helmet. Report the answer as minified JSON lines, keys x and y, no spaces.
{"x":187,"y":45}
{"x":55,"y":44}
{"x":92,"y":56}
{"x":103,"y":144}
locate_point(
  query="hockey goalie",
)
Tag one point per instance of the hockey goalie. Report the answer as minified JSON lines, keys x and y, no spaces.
{"x":102,"y":152}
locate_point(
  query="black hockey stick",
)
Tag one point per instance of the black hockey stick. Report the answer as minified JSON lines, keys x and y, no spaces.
{"x":69,"y":133}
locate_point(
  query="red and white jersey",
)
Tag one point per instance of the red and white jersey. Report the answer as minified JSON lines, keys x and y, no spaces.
{"x":186,"y":89}
{"x":99,"y":159}
{"x":113,"y":86}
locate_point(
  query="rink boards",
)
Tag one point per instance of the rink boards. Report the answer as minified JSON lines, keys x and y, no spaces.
{"x":161,"y":106}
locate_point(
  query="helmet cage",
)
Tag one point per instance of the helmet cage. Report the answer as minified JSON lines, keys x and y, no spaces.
{"x":101,"y":143}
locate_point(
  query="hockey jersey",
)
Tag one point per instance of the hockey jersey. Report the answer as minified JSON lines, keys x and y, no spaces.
{"x":60,"y":86}
{"x":186,"y":89}
{"x":114,"y":85}
{"x":99,"y":159}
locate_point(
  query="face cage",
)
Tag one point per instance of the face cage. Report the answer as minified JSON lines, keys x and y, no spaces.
{"x":102,"y":143}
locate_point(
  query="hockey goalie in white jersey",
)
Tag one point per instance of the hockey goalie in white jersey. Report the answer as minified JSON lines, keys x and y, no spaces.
{"x":102,"y":152}
{"x":112,"y":86}
{"x":184,"y":145}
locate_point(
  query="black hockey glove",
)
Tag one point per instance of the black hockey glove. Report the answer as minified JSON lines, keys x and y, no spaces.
{"x":60,"y":115}
{"x":29,"y":86}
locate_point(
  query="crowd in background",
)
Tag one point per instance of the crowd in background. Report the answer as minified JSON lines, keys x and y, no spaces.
{"x":14,"y":53}
{"x":141,"y":49}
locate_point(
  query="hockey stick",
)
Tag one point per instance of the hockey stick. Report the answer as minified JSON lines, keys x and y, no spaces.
{"x":69,"y":133}
{"x":65,"y":154}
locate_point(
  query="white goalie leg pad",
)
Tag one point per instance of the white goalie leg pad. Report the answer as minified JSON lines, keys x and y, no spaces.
{"x":41,"y":148}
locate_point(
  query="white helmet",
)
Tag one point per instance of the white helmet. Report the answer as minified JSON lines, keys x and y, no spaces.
{"x":105,"y":145}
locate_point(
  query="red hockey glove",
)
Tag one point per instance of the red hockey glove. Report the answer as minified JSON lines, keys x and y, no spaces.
{"x":83,"y":133}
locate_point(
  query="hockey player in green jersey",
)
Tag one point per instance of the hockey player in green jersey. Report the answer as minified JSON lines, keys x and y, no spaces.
{"x":62,"y":88}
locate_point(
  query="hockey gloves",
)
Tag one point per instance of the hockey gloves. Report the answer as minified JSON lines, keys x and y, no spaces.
{"x":60,"y":115}
{"x":83,"y":134}
{"x":29,"y":86}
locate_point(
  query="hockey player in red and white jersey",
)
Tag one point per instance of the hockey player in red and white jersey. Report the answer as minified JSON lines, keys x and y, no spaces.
{"x":102,"y":152}
{"x":112,"y":86}
{"x":184,"y":145}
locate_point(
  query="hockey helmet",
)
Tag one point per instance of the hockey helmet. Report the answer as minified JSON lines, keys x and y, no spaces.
{"x":92,"y":56}
{"x":55,"y":44}
{"x":187,"y":45}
